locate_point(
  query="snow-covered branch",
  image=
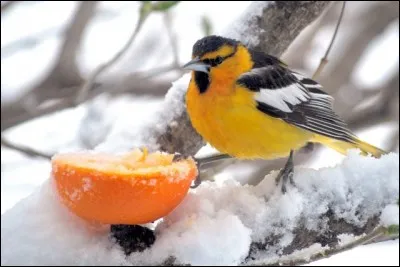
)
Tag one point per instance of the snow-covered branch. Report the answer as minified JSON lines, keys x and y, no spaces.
{"x":222,"y":224}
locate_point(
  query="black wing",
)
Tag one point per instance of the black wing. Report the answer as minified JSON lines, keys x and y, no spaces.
{"x":287,"y":95}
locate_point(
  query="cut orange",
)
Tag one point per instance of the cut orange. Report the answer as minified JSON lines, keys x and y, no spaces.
{"x":134,"y":188}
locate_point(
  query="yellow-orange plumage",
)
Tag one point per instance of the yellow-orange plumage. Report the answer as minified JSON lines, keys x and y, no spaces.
{"x":225,"y":112}
{"x":232,"y":125}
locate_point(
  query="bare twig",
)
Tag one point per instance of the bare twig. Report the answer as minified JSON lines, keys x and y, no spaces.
{"x":65,"y":72}
{"x":299,"y":48}
{"x":82,"y":94}
{"x":368,"y":26}
{"x":172,"y":37}
{"x":61,"y":80}
{"x":26,"y":150}
{"x":143,"y":86}
{"x":324,"y":60}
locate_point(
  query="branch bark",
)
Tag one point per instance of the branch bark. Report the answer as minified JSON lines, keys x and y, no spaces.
{"x":377,"y":233}
{"x":276,"y":36}
{"x":65,"y":72}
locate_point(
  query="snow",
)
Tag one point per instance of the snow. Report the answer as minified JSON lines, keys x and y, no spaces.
{"x":125,"y":138}
{"x":247,"y":23}
{"x":215,"y":223}
{"x":390,"y":215}
{"x":345,"y":239}
{"x":214,"y":238}
{"x":380,"y":254}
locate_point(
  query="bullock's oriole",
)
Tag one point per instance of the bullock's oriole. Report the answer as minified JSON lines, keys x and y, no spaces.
{"x":250,"y":105}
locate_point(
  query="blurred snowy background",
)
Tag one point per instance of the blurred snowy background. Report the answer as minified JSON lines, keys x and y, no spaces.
{"x":48,"y":49}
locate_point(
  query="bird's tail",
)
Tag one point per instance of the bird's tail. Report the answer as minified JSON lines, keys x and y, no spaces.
{"x":342,"y":146}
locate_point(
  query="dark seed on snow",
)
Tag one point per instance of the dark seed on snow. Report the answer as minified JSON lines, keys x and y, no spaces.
{"x":132,"y":238}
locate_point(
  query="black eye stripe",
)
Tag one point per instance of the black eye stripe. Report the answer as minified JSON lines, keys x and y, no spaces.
{"x":218,"y":60}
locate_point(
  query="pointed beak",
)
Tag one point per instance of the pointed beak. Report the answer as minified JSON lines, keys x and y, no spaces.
{"x":197,"y":65}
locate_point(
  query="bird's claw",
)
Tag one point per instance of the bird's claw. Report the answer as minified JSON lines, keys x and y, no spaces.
{"x":201,"y":162}
{"x":286,"y":174}
{"x":196,"y":182}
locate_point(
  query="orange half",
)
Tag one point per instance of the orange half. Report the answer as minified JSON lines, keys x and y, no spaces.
{"x":134,"y":188}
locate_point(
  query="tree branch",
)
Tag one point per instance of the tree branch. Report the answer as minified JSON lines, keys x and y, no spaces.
{"x":168,"y":25}
{"x":65,"y":72}
{"x":52,"y":88}
{"x":279,"y":25}
{"x":324,"y":59}
{"x":81,"y":97}
{"x":62,"y":80}
{"x":12,"y":115}
{"x":341,"y":71}
{"x":378,"y":232}
{"x":25,"y":150}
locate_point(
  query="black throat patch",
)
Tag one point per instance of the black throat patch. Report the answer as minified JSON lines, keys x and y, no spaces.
{"x":202,"y":80}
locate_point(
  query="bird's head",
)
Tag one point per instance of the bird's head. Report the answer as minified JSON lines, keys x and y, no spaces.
{"x":210,"y":52}
{"x":216,"y":58}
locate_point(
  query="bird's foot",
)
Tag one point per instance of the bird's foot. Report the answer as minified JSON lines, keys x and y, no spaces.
{"x":286,"y":174}
{"x":200,"y":163}
{"x":197,"y":181}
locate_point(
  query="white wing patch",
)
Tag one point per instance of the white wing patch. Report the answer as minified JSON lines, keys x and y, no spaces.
{"x":306,"y":81}
{"x":293,"y":94}
{"x":297,"y":100}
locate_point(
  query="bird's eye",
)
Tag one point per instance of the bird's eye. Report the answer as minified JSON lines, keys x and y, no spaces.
{"x":207,"y":61}
{"x":218,"y":60}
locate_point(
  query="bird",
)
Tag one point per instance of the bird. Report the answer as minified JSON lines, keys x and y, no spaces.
{"x":248,"y":104}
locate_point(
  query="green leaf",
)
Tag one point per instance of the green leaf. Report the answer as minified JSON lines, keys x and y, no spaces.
{"x":145,"y":8}
{"x":163,"y":5}
{"x":392,"y":229}
{"x":206,"y":25}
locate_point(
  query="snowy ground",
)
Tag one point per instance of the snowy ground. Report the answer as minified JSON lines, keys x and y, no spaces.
{"x":22,"y":175}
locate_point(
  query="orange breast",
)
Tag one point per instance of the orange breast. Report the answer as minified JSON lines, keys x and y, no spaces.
{"x":232,"y":124}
